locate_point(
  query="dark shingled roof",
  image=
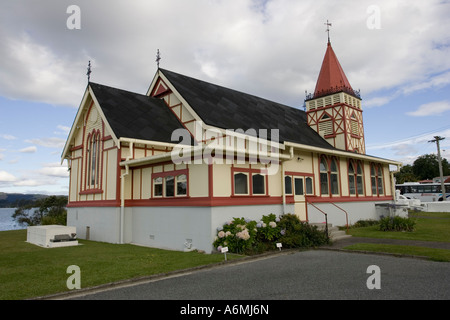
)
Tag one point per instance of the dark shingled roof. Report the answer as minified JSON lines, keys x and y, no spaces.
{"x":137,"y":116}
{"x":230,"y":109}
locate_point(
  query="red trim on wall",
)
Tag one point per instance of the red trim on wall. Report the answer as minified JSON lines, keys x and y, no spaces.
{"x":204,"y":201}
{"x":316,"y":199}
{"x":100,"y":203}
{"x":217,"y":201}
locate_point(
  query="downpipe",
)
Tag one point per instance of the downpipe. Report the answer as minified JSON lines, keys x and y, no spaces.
{"x":122,"y":194}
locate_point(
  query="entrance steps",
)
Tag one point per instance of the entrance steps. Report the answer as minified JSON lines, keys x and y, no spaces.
{"x":333,"y":232}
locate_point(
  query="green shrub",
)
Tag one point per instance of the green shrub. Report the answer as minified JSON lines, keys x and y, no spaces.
{"x":247,"y":236}
{"x":364,"y":223}
{"x":299,"y":234}
{"x":397,"y":223}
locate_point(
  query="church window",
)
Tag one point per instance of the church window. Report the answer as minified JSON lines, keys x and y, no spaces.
{"x":170,"y":184}
{"x":334,"y":176}
{"x":288,"y":185}
{"x":240,"y":183}
{"x":329,"y":176}
{"x":181,"y":185}
{"x":309,"y":185}
{"x":376,"y":179}
{"x":355,"y":178}
{"x":158,"y":187}
{"x":258,"y":184}
{"x":93,"y":161}
{"x":323,"y":176}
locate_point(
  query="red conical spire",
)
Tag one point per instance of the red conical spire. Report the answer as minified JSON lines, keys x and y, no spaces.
{"x":331,"y":77}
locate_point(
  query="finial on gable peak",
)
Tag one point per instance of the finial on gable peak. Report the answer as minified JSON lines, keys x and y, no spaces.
{"x":158,"y":58}
{"x":89,"y":71}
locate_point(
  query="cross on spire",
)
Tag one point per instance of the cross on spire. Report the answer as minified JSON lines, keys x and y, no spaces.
{"x":158,"y":58}
{"x":89,"y":71}
{"x":328,"y":24}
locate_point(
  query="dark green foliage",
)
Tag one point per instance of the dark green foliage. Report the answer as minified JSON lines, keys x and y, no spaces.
{"x":365,"y":223}
{"x":397,"y":224}
{"x":49,"y":210}
{"x":300,"y":234}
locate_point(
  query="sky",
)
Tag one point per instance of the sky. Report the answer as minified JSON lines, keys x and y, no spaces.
{"x":395,"y":52}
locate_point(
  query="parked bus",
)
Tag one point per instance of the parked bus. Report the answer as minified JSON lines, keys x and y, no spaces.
{"x":426,"y":192}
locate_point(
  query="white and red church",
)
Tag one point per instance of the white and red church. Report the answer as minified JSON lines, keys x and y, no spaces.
{"x":125,"y":186}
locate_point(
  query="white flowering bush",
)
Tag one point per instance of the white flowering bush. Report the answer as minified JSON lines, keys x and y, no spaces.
{"x":248,"y":236}
{"x":238,"y":235}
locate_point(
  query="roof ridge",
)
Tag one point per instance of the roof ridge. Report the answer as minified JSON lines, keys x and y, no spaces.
{"x":233,"y":90}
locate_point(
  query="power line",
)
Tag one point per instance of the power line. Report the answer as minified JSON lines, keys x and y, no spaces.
{"x":421,"y":135}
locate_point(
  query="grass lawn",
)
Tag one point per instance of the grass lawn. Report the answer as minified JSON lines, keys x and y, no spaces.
{"x":430,"y":226}
{"x":27,"y":270}
{"x":431,"y":253}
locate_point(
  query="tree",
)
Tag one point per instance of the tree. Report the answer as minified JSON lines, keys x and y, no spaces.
{"x":49,"y":210}
{"x":405,"y":174}
{"x":427,"y":167}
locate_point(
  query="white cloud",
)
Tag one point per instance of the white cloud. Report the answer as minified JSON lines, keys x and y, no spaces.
{"x":6,"y":177}
{"x":240,"y":44}
{"x":54,"y":170}
{"x":31,"y":149}
{"x":8,"y":137}
{"x":28,"y":183}
{"x":48,"y":142}
{"x":431,"y":109}
{"x":63,"y":129}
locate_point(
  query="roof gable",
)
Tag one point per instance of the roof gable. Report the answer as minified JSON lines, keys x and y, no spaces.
{"x":133,"y":115}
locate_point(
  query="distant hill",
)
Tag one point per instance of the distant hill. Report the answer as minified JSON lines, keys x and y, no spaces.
{"x":14,"y":200}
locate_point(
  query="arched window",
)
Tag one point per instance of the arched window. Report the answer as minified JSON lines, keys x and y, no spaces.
{"x":329,"y":176}
{"x":355,"y":178}
{"x":323,"y":175}
{"x":93,"y":161}
{"x":351,"y":179}
{"x":258,"y":184}
{"x":334,"y":176}
{"x":240,"y":183}
{"x":376,"y":179}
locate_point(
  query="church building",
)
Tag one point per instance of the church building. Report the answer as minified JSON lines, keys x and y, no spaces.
{"x":167,"y":168}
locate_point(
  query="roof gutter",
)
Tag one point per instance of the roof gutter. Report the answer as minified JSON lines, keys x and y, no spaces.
{"x":347,"y":154}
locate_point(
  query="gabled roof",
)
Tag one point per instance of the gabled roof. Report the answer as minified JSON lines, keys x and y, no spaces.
{"x":136,"y":116}
{"x":230,"y":109}
{"x":331,"y":76}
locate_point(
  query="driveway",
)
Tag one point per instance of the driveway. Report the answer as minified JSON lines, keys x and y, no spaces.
{"x":297,"y":275}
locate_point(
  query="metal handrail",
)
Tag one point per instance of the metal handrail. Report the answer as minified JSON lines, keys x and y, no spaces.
{"x":346,"y":214}
{"x":326,"y":216}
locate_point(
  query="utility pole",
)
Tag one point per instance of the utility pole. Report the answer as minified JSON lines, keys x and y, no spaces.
{"x":437,"y":139}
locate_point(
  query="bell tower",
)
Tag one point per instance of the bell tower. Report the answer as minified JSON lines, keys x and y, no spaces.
{"x":334,"y":109}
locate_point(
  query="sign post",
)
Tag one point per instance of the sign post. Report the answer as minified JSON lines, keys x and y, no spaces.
{"x":224,"y":251}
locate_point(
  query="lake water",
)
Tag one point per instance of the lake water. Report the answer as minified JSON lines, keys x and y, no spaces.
{"x":7,"y":222}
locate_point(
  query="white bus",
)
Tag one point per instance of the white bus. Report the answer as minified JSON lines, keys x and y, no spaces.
{"x":426,"y":192}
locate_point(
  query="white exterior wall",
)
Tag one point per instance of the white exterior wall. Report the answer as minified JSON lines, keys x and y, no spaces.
{"x":364,"y":210}
{"x":103,"y":223}
{"x":163,"y":227}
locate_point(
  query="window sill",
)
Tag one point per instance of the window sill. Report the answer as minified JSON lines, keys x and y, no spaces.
{"x":92,"y":191}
